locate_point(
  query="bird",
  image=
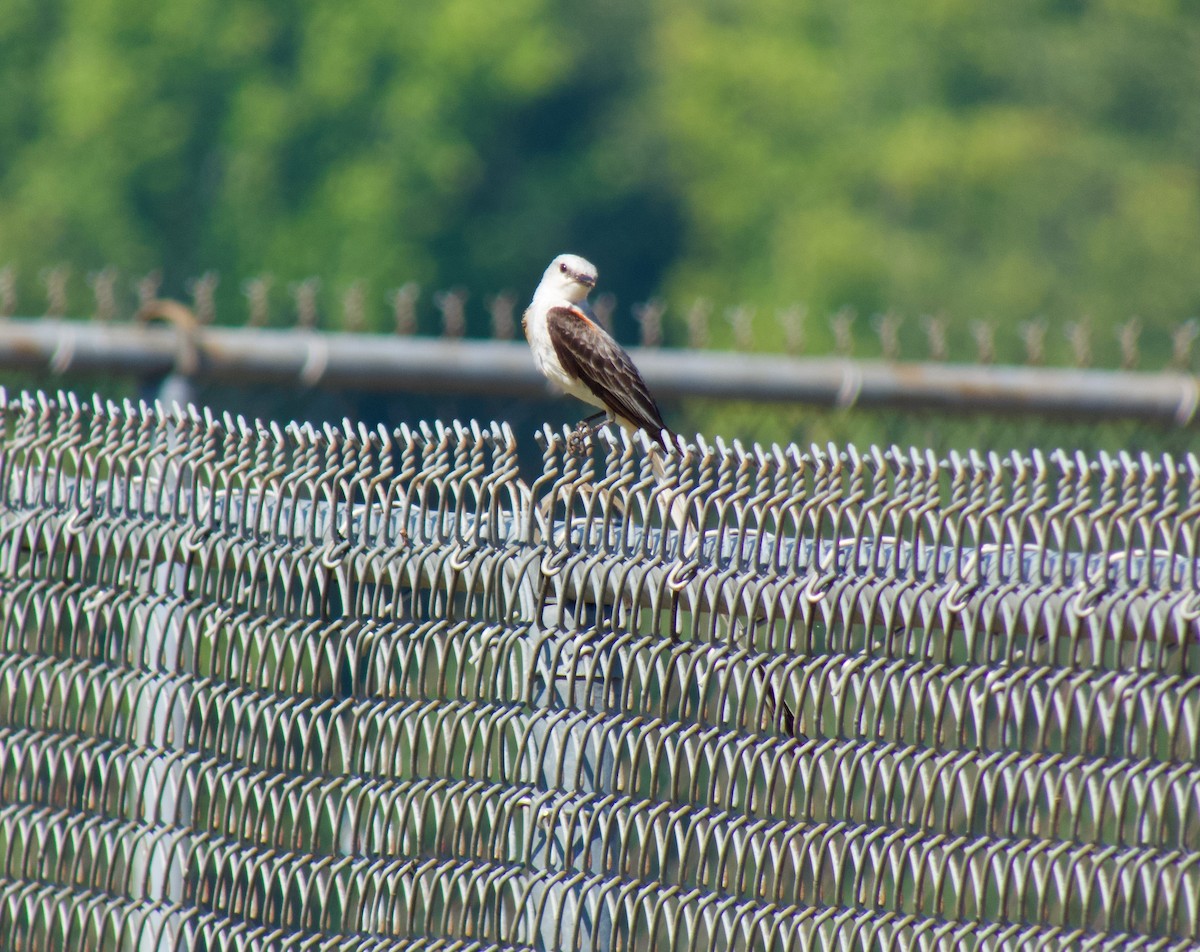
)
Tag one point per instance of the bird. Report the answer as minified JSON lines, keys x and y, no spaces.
{"x":578,"y":355}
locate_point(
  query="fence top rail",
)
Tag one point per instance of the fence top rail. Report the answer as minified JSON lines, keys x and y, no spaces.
{"x":455,"y":313}
{"x":305,"y":358}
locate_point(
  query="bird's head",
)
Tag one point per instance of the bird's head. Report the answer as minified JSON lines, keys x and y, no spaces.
{"x":570,"y":277}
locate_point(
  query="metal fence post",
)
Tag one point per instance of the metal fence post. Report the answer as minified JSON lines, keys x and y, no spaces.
{"x":565,"y":748}
{"x":161,"y":650}
{"x":569,"y":764}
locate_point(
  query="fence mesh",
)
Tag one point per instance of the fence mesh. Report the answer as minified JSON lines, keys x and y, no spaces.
{"x":268,"y":687}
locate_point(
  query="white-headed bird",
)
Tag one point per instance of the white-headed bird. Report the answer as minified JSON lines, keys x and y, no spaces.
{"x":580,"y":356}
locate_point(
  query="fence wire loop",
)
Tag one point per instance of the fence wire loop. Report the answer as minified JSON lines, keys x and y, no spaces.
{"x":681,"y":574}
{"x":77,"y":521}
{"x":957,"y":599}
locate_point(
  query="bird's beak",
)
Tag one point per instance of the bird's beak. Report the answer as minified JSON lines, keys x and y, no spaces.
{"x":587,"y":280}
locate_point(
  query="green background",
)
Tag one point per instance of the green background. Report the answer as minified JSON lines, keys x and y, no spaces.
{"x":1003,"y":162}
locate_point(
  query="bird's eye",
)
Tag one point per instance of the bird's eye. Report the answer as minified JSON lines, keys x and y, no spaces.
{"x":563,"y":267}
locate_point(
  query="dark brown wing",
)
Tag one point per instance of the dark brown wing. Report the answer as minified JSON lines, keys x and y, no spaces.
{"x":587,"y":352}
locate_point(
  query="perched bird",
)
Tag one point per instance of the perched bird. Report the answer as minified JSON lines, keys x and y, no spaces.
{"x":577,"y":354}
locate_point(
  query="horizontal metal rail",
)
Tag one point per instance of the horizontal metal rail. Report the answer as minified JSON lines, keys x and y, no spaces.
{"x":309,"y":358}
{"x":789,"y":329}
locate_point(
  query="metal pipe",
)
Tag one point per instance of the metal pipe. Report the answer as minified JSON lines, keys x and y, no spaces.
{"x":425,"y":364}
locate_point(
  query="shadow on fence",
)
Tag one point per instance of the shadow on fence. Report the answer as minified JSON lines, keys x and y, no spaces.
{"x":268,"y":687}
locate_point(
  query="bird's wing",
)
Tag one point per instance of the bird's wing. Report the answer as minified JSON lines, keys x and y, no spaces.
{"x":587,"y":352}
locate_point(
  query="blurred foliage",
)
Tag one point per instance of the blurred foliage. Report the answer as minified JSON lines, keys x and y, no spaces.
{"x":1000,"y":161}
{"x":449,"y":142}
{"x":982,"y":159}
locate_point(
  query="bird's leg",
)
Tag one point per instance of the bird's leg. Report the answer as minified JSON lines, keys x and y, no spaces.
{"x":578,"y":440}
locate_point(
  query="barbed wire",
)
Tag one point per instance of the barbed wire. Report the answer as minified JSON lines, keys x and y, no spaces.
{"x":747,"y":327}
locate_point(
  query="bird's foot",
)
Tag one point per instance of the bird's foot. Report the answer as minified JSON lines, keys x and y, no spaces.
{"x":580,"y":439}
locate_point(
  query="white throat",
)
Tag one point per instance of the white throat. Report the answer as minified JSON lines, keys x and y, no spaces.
{"x":554,"y":291}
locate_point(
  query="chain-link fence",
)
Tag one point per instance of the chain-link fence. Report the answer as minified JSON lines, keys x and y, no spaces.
{"x":269,"y":687}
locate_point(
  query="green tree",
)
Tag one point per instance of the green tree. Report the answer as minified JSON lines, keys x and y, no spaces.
{"x":981,"y":161}
{"x":450,"y":142}
{"x":995,"y":160}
